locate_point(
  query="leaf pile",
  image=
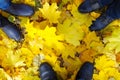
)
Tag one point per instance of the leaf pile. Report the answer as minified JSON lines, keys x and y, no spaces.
{"x":58,"y":34}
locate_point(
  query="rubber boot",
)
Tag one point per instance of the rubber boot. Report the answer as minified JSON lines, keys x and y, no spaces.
{"x":46,"y":72}
{"x":16,"y":9}
{"x":112,"y":13}
{"x":91,"y":5}
{"x":85,"y":72}
{"x":11,"y":30}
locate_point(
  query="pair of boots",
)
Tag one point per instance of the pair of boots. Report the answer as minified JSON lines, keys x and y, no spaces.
{"x":9,"y":28}
{"x":85,"y":72}
{"x":112,"y":12}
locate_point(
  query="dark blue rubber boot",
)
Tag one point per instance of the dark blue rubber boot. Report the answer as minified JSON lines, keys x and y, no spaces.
{"x":85,"y":72}
{"x":4,"y":4}
{"x":46,"y":72}
{"x":10,"y":29}
{"x":91,"y":5}
{"x":20,"y":10}
{"x":16,"y":9}
{"x":112,"y":13}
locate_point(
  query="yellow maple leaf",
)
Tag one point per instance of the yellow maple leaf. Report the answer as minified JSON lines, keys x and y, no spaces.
{"x":61,"y":71}
{"x":30,"y":74}
{"x":87,"y":55}
{"x":30,"y":29}
{"x":50,"y":12}
{"x":107,"y":74}
{"x":104,"y":62}
{"x":28,"y":55}
{"x":93,"y":41}
{"x":77,"y":2}
{"x":12,"y":60}
{"x":72,"y":31}
{"x":41,"y":25}
{"x":50,"y":56}
{"x":50,"y":38}
{"x":68,"y":51}
{"x":3,"y":51}
{"x":107,"y":69}
{"x":112,"y":41}
{"x":4,"y":75}
{"x":82,"y":18}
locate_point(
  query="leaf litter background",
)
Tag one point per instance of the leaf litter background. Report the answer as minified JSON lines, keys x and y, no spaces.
{"x":58,"y":34}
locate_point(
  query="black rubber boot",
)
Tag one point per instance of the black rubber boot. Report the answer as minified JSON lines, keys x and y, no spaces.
{"x":112,"y":13}
{"x":20,"y":9}
{"x":46,"y":72}
{"x":10,"y":29}
{"x":85,"y":72}
{"x":91,"y":5}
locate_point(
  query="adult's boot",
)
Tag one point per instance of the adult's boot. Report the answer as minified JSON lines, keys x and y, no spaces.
{"x":16,"y":9}
{"x":85,"y":72}
{"x":46,"y":72}
{"x":91,"y":5}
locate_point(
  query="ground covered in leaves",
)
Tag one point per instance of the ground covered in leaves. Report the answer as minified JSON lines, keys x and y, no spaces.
{"x":58,"y":34}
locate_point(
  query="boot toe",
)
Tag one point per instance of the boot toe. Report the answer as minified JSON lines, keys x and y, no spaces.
{"x":46,"y":72}
{"x":85,"y":72}
{"x":101,"y":22}
{"x":13,"y":32}
{"x":96,"y":26}
{"x":89,"y":5}
{"x":45,"y":67}
{"x":20,"y":10}
{"x":84,"y":7}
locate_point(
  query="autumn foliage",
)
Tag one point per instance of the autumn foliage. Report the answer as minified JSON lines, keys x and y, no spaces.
{"x":58,"y":34}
